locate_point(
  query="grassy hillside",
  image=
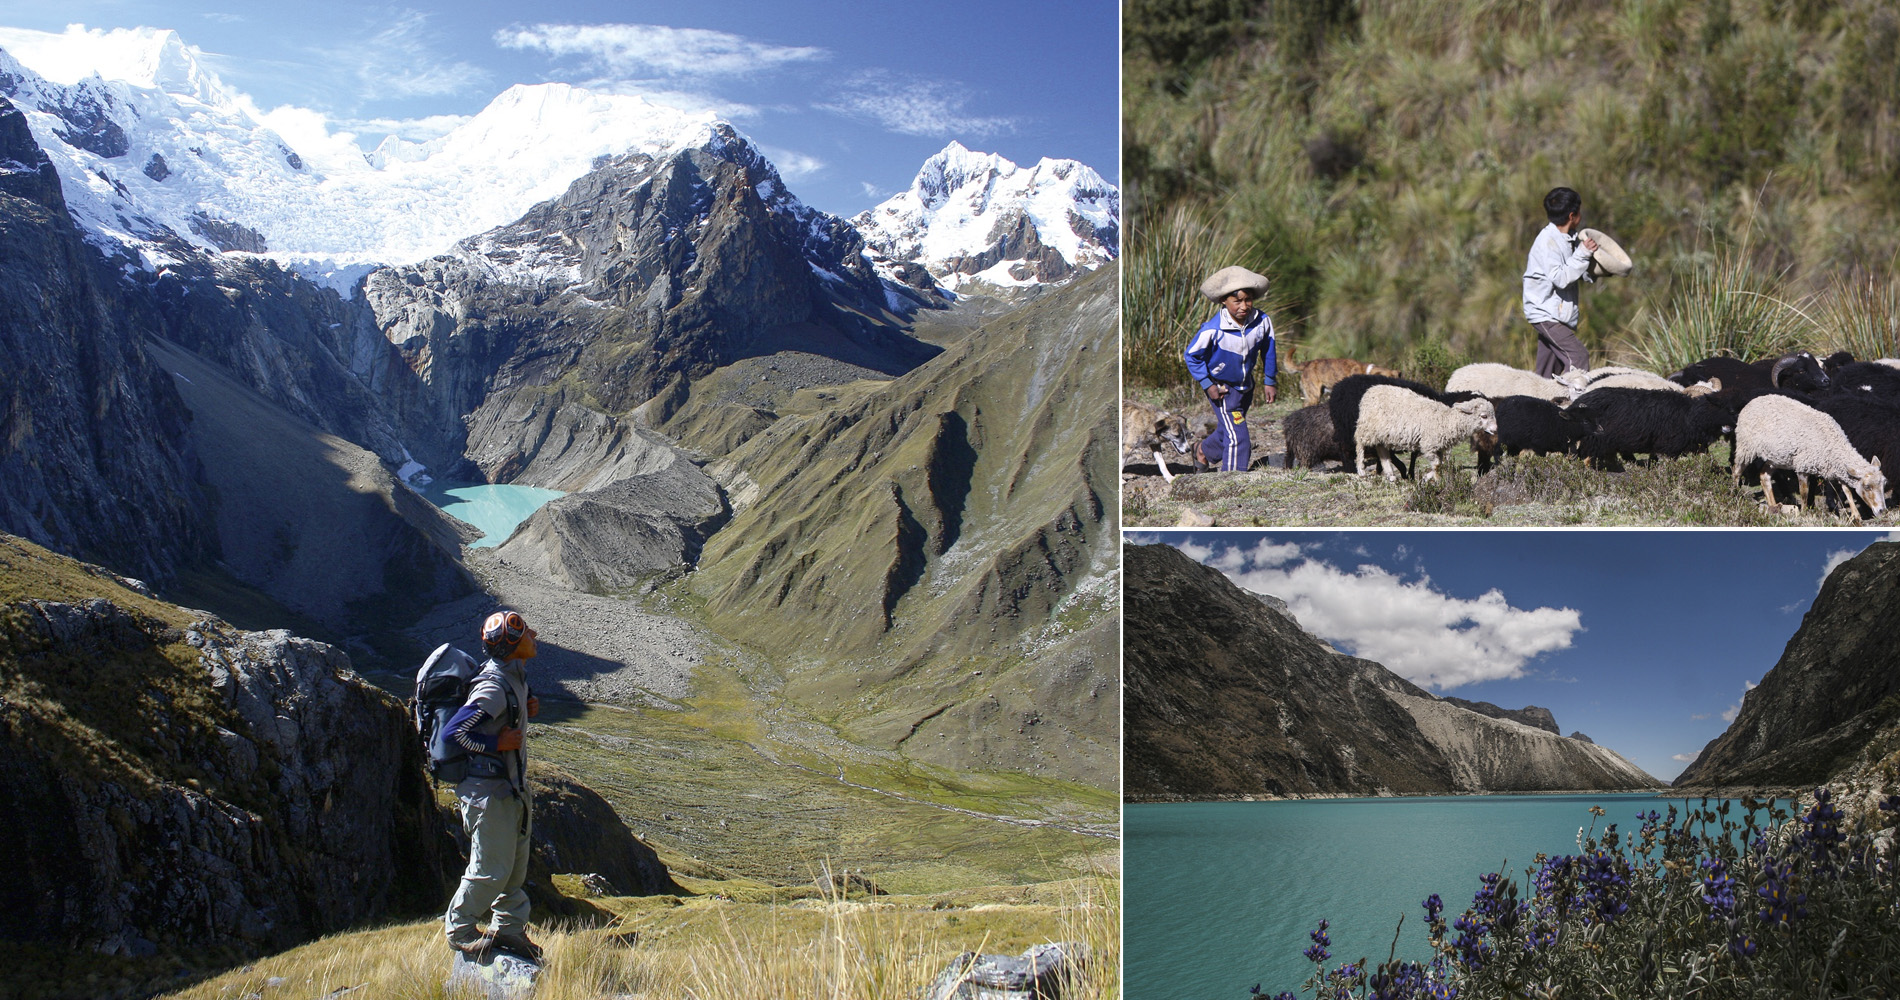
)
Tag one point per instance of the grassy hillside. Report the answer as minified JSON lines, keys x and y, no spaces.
{"x":727,"y":941}
{"x":1384,"y":163}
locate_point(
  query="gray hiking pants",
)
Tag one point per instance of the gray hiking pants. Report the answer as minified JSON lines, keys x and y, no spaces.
{"x":1558,"y":349}
{"x":496,"y":820}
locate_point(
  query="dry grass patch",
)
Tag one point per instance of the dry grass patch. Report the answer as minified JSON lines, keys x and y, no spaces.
{"x":710,"y":948}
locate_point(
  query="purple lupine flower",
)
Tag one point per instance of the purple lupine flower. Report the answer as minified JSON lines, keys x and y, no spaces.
{"x":1718,"y":889}
{"x":1777,"y":891}
{"x":1318,"y":953}
{"x":1821,"y":831}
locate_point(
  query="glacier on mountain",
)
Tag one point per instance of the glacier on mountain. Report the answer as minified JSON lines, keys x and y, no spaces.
{"x":156,"y":156}
{"x":964,"y":218}
{"x":328,"y":211}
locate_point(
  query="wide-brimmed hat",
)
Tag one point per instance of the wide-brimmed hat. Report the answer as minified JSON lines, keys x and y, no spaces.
{"x":1609,"y":257}
{"x":1229,"y":280}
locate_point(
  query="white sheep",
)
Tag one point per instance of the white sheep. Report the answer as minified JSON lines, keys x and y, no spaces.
{"x":1783,"y":433}
{"x":1391,"y":417}
{"x":1578,"y":378}
{"x":1889,"y":362}
{"x":1495,"y":380}
{"x":1632,"y":380}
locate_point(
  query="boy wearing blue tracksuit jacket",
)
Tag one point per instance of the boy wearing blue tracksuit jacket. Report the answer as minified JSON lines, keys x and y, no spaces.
{"x":1223,"y":357}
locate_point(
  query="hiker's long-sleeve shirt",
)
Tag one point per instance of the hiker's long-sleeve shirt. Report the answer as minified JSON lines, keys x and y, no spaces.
{"x":1556,"y":264}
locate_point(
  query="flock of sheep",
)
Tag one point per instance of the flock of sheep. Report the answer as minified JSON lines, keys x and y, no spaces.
{"x":1795,"y":416}
{"x":1787,"y":420}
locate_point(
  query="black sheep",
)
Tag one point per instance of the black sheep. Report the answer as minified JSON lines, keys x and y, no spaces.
{"x":1657,"y":421}
{"x":1309,"y":437}
{"x":1869,"y":378}
{"x":1872,"y":424}
{"x":1834,"y":362}
{"x":1539,"y":426}
{"x":1798,"y":372}
{"x":1344,"y":406}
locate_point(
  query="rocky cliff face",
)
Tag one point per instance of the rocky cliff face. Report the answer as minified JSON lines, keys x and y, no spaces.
{"x":94,"y":458}
{"x":1529,"y":715}
{"x":1227,"y":695}
{"x":646,"y":272}
{"x":577,"y":832}
{"x":195,"y":792}
{"x":1831,"y":698}
{"x":912,"y":545}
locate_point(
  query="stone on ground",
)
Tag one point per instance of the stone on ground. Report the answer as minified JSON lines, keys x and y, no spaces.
{"x":492,"y":974}
{"x":1040,"y":973}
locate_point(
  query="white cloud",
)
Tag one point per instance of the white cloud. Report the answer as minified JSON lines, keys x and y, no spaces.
{"x":400,"y":61}
{"x":1143,"y":538}
{"x":1729,"y":713}
{"x":1264,"y":554}
{"x":1415,"y":630}
{"x":876,"y":193}
{"x":645,"y":49}
{"x":1686,"y":758}
{"x":1891,"y":536}
{"x":1834,"y":558}
{"x":792,"y":165}
{"x":1699,"y":716}
{"x":913,"y":105}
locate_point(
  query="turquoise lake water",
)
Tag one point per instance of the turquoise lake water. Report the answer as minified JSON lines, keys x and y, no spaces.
{"x":495,"y":509}
{"x":1220,"y":895}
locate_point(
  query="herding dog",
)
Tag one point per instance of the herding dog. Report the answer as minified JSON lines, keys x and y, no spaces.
{"x":1320,"y":374}
{"x":1152,"y":434}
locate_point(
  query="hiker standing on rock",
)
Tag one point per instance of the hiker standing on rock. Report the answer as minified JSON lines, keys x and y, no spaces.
{"x":1223,"y":357}
{"x":1558,"y":261}
{"x":492,"y":726}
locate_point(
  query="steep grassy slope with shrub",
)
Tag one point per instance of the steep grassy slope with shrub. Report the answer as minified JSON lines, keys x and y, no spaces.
{"x":1384,"y":162}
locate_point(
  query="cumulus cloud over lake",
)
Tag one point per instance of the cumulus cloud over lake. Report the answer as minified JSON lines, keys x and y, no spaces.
{"x":1416,"y":630}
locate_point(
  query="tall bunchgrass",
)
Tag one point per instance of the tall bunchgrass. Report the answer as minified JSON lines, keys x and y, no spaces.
{"x":1162,"y":304}
{"x":830,"y":948}
{"x":1725,"y":306}
{"x":1861,"y":316}
{"x":1390,"y":159}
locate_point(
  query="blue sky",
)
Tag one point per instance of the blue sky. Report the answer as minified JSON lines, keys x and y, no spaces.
{"x":1644,"y":640}
{"x":847,"y":98}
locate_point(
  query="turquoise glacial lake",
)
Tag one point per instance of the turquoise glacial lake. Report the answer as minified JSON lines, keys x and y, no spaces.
{"x":495,"y":509}
{"x":1220,"y":895}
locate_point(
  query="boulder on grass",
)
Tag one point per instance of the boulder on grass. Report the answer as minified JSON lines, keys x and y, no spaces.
{"x":1043,"y":972}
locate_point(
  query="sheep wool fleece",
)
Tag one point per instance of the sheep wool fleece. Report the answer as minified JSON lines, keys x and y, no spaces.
{"x":496,"y":818}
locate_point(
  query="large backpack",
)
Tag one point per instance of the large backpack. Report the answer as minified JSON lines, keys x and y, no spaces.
{"x":441,"y":690}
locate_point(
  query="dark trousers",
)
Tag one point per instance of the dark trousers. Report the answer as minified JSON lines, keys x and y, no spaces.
{"x":1229,"y":446}
{"x":1558,"y":349}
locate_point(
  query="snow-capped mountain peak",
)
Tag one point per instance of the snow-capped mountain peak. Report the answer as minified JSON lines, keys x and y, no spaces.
{"x":152,"y":58}
{"x":151,"y":149}
{"x":978,"y":217}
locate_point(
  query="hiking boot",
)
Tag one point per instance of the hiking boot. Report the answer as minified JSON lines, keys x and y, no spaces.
{"x":471,"y":942}
{"x":517,"y":943}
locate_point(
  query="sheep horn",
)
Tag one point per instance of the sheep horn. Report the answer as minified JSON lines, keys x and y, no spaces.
{"x":1774,"y":374}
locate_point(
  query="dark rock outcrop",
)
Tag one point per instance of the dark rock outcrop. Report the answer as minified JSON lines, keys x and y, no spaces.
{"x":195,"y":791}
{"x":94,"y":459}
{"x":577,"y":832}
{"x":1834,"y":692}
{"x":1228,"y":696}
{"x":1530,"y":715}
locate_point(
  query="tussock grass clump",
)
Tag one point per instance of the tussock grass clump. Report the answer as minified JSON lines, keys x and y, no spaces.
{"x":707,"y":948}
{"x":1783,"y":902}
{"x":1386,"y":162}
